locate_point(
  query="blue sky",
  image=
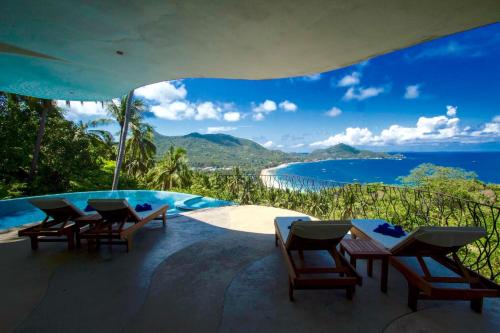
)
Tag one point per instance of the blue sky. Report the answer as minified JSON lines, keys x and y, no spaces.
{"x":440,"y":95}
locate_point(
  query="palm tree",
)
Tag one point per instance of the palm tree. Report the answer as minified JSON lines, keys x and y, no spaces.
{"x":128,"y":113}
{"x":140,"y":150}
{"x":171,"y":170}
{"x":42,"y":107}
{"x":100,"y":138}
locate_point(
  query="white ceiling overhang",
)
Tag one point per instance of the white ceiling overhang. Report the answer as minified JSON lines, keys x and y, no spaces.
{"x":97,"y":50}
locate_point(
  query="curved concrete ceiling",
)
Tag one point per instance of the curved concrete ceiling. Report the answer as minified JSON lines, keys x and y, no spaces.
{"x":97,"y":50}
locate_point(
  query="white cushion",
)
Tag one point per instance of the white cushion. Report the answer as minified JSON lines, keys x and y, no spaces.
{"x":108,"y":204}
{"x":320,"y":230}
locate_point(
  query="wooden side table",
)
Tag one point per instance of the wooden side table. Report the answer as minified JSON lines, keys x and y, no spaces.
{"x":369,"y":250}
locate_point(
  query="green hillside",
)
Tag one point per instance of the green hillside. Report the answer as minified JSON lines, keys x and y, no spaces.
{"x":225,"y":151}
{"x":343,"y":151}
{"x":221,"y":150}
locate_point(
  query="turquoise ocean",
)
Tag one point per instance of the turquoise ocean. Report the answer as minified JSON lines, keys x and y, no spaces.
{"x":485,"y":164}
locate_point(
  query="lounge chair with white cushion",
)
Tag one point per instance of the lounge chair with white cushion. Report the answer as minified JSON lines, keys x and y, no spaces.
{"x":58,"y":225}
{"x":311,"y":255}
{"x":427,"y":258}
{"x":119,"y":221}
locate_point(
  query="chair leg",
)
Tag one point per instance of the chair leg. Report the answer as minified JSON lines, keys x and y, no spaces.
{"x":349,"y":292}
{"x":477,"y":305}
{"x":290,"y":290}
{"x":34,"y":242}
{"x":369,"y":267}
{"x":164,"y":219}
{"x":129,"y":244}
{"x":71,"y":241}
{"x":412,"y":297}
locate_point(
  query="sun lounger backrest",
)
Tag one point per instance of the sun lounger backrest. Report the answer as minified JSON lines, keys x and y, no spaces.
{"x":316,"y":235}
{"x":114,"y":209}
{"x":437,"y":240}
{"x":57,"y":208}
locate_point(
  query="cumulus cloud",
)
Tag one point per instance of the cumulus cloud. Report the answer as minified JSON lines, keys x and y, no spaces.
{"x":83,"y":109}
{"x":350,"y":80}
{"x":351,"y":136}
{"x":163,"y":91}
{"x":207,"y":110}
{"x":258,"y":117}
{"x":444,"y":128}
{"x":362,"y":93}
{"x":334,"y":112}
{"x":489,"y":130}
{"x":232,"y":116}
{"x":451,"y":111}
{"x":268,"y":144}
{"x":265,"y":107}
{"x":220,"y":129}
{"x":412,"y":91}
{"x":312,"y":77}
{"x":288,"y":106}
{"x":169,"y":101}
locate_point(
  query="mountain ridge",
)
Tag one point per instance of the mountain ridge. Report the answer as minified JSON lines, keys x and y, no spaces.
{"x":226,"y":151}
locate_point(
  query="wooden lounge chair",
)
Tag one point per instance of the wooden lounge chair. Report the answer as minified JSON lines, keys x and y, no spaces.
{"x":311,"y":255}
{"x":428,"y":251}
{"x":119,"y":221}
{"x":58,"y":225}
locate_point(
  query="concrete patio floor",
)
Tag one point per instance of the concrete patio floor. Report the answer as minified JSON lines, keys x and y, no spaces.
{"x":213,"y":270}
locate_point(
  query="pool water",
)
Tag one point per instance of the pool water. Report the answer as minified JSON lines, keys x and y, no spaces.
{"x":16,"y":212}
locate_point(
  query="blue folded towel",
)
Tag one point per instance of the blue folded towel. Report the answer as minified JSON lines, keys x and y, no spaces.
{"x":89,"y":208}
{"x":388,"y":230}
{"x":143,"y":207}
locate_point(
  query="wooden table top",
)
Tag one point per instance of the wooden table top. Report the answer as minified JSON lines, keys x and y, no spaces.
{"x":363,"y":247}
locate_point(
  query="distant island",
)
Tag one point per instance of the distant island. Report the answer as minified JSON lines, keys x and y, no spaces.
{"x":223,"y":151}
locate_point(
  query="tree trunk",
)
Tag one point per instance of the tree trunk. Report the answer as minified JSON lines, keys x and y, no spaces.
{"x":123,"y":139}
{"x":47,"y":104}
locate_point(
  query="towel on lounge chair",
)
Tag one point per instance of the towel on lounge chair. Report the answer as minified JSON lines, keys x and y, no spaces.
{"x":388,"y":230}
{"x":89,"y":208}
{"x":119,"y":221}
{"x":428,"y":259}
{"x":142,"y":208}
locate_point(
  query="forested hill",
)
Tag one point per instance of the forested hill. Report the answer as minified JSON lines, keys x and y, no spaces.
{"x":343,"y":151}
{"x":222,"y":150}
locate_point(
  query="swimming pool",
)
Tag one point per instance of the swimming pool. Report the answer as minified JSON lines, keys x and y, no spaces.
{"x":17,"y":212}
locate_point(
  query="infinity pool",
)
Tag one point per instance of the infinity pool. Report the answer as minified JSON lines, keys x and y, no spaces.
{"x":16,"y":212}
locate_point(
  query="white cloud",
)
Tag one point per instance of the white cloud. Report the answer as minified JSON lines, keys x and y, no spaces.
{"x":350,"y":80}
{"x":428,"y":130}
{"x":268,"y":144}
{"x":169,"y":101}
{"x":207,"y":110}
{"x":412,"y":91}
{"x":489,"y":130}
{"x":334,"y":112}
{"x":83,"y":109}
{"x":362,"y":93}
{"x":451,"y":111}
{"x":221,"y":129}
{"x":163,"y":91}
{"x":258,"y":117}
{"x":298,"y":145}
{"x":232,"y":116}
{"x":351,"y":136}
{"x":288,"y":106}
{"x":312,"y":77}
{"x":265,"y":107}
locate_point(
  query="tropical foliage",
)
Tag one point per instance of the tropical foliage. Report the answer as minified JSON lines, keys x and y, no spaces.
{"x":65,"y":156}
